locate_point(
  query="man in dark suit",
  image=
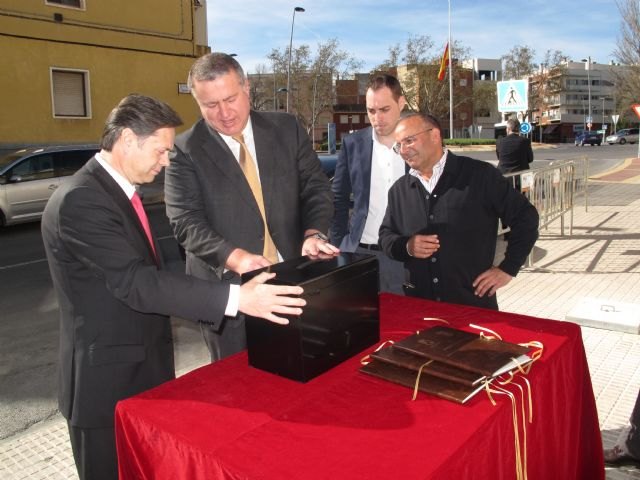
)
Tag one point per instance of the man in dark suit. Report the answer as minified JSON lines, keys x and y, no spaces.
{"x":114,"y":297}
{"x":367,"y":166}
{"x":514,"y":152}
{"x":245,"y":189}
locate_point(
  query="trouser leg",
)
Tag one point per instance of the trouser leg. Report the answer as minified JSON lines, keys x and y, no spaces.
{"x":94,"y":452}
{"x":633,"y":440}
{"x":230,"y":339}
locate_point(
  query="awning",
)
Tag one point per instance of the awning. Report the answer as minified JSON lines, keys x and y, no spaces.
{"x":550,"y":129}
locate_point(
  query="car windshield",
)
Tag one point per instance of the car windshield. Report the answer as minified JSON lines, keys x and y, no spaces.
{"x":10,"y":158}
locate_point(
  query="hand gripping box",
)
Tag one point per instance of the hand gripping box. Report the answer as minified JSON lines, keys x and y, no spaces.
{"x":341,"y":317}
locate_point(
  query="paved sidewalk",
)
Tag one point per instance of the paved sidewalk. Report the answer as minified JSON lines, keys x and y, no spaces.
{"x":601,"y":261}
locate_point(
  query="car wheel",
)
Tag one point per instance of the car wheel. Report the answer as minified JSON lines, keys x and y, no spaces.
{"x":622,"y":141}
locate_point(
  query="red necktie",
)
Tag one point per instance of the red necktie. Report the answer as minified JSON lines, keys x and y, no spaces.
{"x":137,"y":206}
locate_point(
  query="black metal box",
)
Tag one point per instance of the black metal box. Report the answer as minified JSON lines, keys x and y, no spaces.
{"x":341,"y":317}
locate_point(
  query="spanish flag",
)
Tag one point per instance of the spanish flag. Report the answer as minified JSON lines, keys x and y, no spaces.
{"x":443,"y":63}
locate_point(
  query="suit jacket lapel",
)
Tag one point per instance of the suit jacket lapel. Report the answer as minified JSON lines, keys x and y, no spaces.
{"x":265,"y":149}
{"x":117,"y":194}
{"x":217,"y":152}
{"x":365,"y":145}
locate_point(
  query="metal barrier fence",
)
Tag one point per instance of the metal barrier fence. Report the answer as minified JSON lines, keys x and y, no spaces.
{"x":552,"y":190}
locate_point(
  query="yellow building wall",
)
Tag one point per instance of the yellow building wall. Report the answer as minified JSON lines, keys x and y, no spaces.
{"x":127,"y":46}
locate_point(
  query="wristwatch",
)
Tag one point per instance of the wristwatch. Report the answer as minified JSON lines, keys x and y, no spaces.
{"x":319,"y":236}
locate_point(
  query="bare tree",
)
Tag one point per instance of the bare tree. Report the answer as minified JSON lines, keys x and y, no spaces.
{"x":423,"y":91}
{"x":546,"y":84}
{"x":260,"y":89}
{"x":518,"y":62}
{"x":627,"y":52}
{"x":311,"y":78}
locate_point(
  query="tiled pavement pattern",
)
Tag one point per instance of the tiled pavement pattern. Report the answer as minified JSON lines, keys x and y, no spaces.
{"x":601,"y":259}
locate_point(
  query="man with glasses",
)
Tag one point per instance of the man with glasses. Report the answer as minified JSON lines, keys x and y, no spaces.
{"x":367,"y":166}
{"x":442,"y":220}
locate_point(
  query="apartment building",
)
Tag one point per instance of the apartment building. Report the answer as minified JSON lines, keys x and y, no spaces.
{"x":68,"y":62}
{"x":582,"y":97}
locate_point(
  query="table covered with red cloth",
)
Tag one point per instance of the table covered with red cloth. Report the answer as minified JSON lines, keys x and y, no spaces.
{"x":228,"y":420}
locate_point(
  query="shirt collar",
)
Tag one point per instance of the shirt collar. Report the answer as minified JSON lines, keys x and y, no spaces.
{"x":128,"y":188}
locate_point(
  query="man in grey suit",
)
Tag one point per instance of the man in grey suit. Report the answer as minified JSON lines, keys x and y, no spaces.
{"x":245,"y":189}
{"x":114,"y":297}
{"x":367,"y":167}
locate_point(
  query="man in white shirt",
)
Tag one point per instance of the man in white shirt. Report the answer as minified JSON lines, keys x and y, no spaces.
{"x":367,"y":167}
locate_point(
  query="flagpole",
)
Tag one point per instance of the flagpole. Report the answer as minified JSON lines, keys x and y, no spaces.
{"x":451,"y":79}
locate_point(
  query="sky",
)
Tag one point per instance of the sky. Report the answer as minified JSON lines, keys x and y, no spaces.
{"x":366,"y":29}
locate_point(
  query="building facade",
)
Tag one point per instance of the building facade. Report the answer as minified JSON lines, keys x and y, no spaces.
{"x":487,"y":72}
{"x":582,"y":97}
{"x":68,"y":62}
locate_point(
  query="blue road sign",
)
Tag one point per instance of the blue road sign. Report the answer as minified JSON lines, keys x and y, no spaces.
{"x":513,"y":96}
{"x":525,"y":127}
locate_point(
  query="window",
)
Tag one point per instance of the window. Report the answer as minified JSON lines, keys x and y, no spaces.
{"x":344,"y":119}
{"x":38,"y":167}
{"x":70,"y":93}
{"x":67,"y":163}
{"x":66,"y":3}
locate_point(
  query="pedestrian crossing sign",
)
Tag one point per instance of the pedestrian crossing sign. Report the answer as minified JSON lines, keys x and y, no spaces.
{"x":513,"y":96}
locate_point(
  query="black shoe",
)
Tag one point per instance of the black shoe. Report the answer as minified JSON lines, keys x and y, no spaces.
{"x":618,"y":457}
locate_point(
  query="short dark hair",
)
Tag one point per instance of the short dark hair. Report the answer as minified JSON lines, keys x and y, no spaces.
{"x":144,"y":115}
{"x":213,"y":65}
{"x":427,"y":119}
{"x":385,"y":80}
{"x":513,"y":125}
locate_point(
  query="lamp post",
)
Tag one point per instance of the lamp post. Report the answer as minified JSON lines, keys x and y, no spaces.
{"x":589,"y":119}
{"x":313,"y":112}
{"x":296,"y":9}
{"x":280,"y":90}
{"x":450,"y":77}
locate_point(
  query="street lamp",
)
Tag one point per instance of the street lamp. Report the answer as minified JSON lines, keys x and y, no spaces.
{"x":589,"y":119}
{"x":313,"y":112}
{"x":296,"y":9}
{"x":280,"y":90}
{"x":450,"y":77}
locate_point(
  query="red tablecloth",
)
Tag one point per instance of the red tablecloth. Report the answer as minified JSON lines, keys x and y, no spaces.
{"x":231,"y":421}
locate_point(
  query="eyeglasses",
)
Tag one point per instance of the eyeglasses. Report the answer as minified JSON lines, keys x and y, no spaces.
{"x":408,"y":141}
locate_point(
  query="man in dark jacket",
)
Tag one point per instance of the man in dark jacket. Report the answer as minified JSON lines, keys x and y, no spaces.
{"x":442,"y":220}
{"x":514,"y":152}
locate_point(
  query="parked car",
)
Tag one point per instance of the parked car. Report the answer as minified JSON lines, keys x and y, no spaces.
{"x":588,"y":138}
{"x":28,"y":177}
{"x":328,"y":161}
{"x":623,"y":136}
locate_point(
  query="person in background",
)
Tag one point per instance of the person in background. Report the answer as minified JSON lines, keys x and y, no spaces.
{"x":245,"y":190}
{"x":513,"y":151}
{"x":114,"y":297}
{"x":442,"y":220}
{"x":367,"y":167}
{"x":627,"y":452}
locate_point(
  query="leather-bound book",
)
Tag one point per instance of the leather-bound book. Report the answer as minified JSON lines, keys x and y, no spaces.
{"x":466,"y":350}
{"x":401,"y":358}
{"x":440,"y":387}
